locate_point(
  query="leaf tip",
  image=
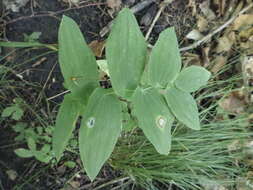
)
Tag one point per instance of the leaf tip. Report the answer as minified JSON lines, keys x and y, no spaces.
{"x":164,"y":152}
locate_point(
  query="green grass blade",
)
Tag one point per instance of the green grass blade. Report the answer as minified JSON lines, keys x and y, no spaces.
{"x":27,"y":44}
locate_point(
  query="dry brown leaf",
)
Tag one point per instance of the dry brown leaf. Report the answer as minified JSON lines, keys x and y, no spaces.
{"x":205,"y":56}
{"x":246,"y":34}
{"x":231,"y":36}
{"x":202,"y":23}
{"x":194,"y":35}
{"x":242,"y":21}
{"x":192,"y":4}
{"x":224,"y":44}
{"x":246,"y":40}
{"x":247,"y":69}
{"x":235,"y":145}
{"x":205,"y":9}
{"x":244,"y":184}
{"x":212,"y":185}
{"x":114,"y":4}
{"x":247,"y":73}
{"x":234,"y":102}
{"x":221,"y":6}
{"x":75,"y":184}
{"x":219,"y":62}
{"x":192,"y":59}
{"x":97,"y":47}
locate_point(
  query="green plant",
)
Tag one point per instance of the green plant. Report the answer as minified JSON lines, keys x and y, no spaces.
{"x":152,"y":91}
{"x":42,"y":155}
{"x":33,"y":37}
{"x":14,"y":111}
{"x":34,"y":137}
{"x":214,"y":155}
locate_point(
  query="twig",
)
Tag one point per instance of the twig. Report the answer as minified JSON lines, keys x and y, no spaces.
{"x":142,"y":5}
{"x":162,"y":7}
{"x":57,"y":95}
{"x":135,"y":9}
{"x":51,"y":14}
{"x":44,"y":86}
{"x":210,"y":35}
{"x":112,"y":182}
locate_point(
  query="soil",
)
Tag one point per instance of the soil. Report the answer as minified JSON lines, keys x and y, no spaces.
{"x":45,"y":18}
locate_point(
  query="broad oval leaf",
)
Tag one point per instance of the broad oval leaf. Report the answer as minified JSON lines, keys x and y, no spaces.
{"x":165,"y":61}
{"x":78,"y":64}
{"x":31,"y":144}
{"x":154,"y":118}
{"x":126,"y":54}
{"x":183,"y":106}
{"x":192,"y":78}
{"x":65,"y":124}
{"x":14,"y":111}
{"x":42,"y":157}
{"x":23,"y":153}
{"x":100,"y":129}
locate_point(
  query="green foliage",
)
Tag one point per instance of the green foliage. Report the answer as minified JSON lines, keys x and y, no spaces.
{"x":128,"y":120}
{"x":106,"y":111}
{"x":126,"y":51}
{"x":183,"y":106}
{"x":43,"y":155}
{"x":70,"y":164}
{"x":34,"y":138}
{"x":155,"y":118}
{"x":14,"y":111}
{"x":192,"y":78}
{"x":165,"y":61}
{"x":33,"y":37}
{"x":65,"y":124}
{"x":39,"y":134}
{"x":78,"y":65}
{"x":24,"y":153}
{"x":195,"y":157}
{"x":100,"y":129}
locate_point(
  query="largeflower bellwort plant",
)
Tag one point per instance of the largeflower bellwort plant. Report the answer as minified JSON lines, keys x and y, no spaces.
{"x":154,"y":88}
